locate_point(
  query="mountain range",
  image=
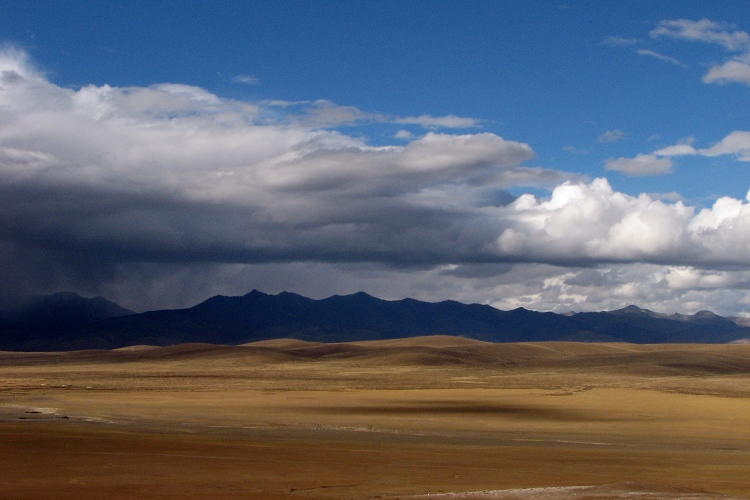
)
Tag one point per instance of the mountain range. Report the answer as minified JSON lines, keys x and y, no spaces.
{"x":67,"y":321}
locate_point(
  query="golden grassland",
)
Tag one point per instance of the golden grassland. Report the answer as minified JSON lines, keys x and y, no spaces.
{"x":431,"y":417}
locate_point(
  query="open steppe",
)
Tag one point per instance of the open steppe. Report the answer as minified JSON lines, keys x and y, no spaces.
{"x":431,"y":417}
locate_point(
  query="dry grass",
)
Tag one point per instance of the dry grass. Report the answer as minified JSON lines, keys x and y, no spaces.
{"x":389,"y":419}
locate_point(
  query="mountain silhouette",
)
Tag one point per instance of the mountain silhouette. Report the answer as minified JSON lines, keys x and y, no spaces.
{"x":68,"y":321}
{"x":50,"y":318}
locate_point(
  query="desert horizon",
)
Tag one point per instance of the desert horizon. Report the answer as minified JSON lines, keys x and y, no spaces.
{"x":427,"y":417}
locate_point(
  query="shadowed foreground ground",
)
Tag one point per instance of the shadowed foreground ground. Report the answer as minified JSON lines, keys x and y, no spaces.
{"x":436,"y":417}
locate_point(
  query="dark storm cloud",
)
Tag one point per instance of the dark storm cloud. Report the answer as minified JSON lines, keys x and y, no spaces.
{"x":100,"y":182}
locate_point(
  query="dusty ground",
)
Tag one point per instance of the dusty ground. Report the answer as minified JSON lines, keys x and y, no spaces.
{"x":435,"y":417}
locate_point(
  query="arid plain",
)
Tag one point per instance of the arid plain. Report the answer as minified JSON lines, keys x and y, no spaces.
{"x":431,"y":417}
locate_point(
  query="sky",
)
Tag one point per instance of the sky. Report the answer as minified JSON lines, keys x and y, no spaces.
{"x":576,"y":156}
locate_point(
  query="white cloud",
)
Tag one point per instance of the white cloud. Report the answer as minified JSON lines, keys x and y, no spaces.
{"x":574,"y":150}
{"x":591,"y":221}
{"x":671,"y":197}
{"x":736,"y":143}
{"x":689,"y":278}
{"x":323,"y":113}
{"x":661,"y":57}
{"x":437,"y":151}
{"x":109,"y":189}
{"x":659,"y":162}
{"x":542,"y":287}
{"x":676,"y":150}
{"x":704,"y":30}
{"x":736,"y":70}
{"x":246,"y":79}
{"x":214,"y":179}
{"x":326,"y":114}
{"x":612,"y":136}
{"x":640,"y":165}
{"x":188,"y":91}
{"x":449,"y":121}
{"x":618,"y":41}
{"x":403,"y":134}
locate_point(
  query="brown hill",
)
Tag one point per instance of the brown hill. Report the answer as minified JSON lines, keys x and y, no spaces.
{"x":434,"y":351}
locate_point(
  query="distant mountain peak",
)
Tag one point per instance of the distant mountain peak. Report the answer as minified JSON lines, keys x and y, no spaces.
{"x":72,"y":304}
{"x":288,"y":294}
{"x":69,"y":321}
{"x":631,"y":309}
{"x":705,"y":314}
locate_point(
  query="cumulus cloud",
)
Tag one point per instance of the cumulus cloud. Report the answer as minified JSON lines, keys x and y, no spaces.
{"x":665,"y":289}
{"x":640,"y":165}
{"x":676,"y":150}
{"x":594,"y":223}
{"x":672,"y":196}
{"x":538,"y":286}
{"x":689,"y":278}
{"x":736,"y":143}
{"x":135,"y":192}
{"x":326,"y":114}
{"x":173,"y":173}
{"x":659,"y":162}
{"x":736,"y":70}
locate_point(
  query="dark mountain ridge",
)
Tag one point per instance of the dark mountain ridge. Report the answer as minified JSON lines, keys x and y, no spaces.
{"x":259,"y":316}
{"x":48,"y":317}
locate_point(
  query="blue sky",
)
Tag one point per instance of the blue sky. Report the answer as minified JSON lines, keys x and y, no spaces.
{"x":537,"y":72}
{"x":418,"y":121}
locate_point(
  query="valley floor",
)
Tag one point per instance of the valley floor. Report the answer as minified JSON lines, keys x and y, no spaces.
{"x":435,"y":417}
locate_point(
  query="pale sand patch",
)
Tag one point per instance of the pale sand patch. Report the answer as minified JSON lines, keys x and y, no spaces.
{"x":603,"y":492}
{"x":135,"y":348}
